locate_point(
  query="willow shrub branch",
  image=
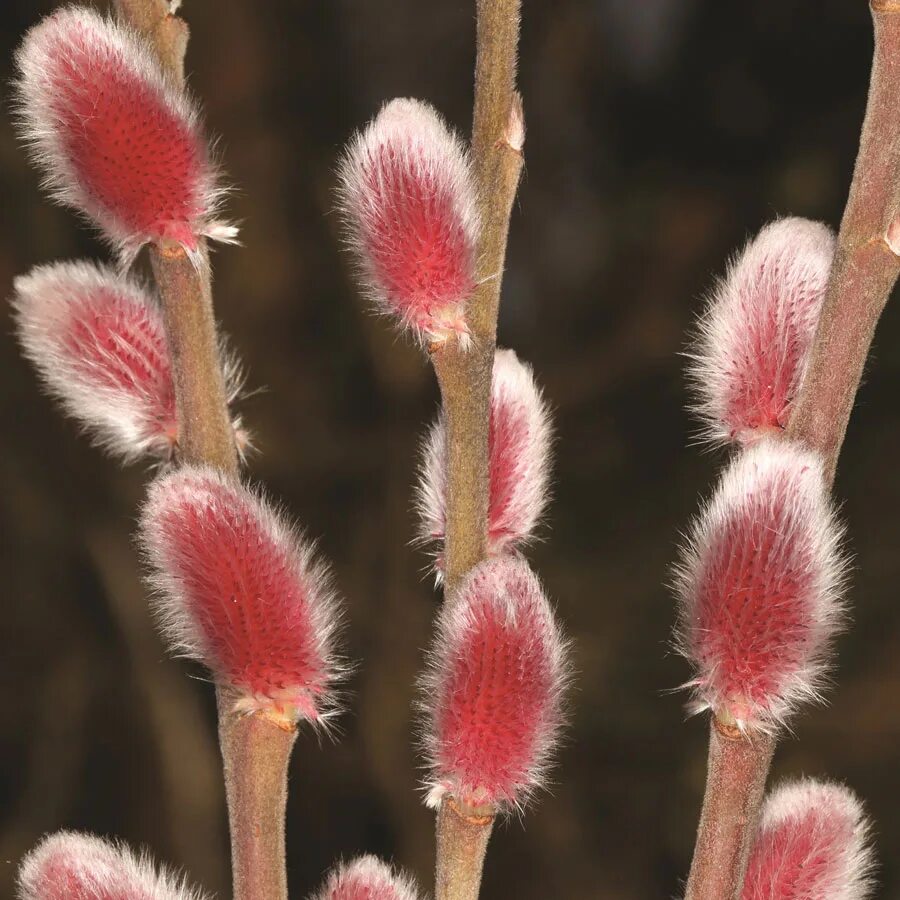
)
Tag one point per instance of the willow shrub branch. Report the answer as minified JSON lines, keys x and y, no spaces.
{"x":465,"y":376}
{"x":735,"y":783}
{"x":866,"y":263}
{"x":465,"y":379}
{"x":255,"y":751}
{"x":864,"y":272}
{"x":463,"y":836}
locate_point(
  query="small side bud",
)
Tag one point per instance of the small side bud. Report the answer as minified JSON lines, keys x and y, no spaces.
{"x":98,"y":343}
{"x":812,"y":844}
{"x":759,"y":587}
{"x":366,"y":878}
{"x":752,"y":342}
{"x":520,"y":439}
{"x":239,"y":590}
{"x":407,"y":196}
{"x":113,"y":137}
{"x":492,"y":694}
{"x":70,"y":866}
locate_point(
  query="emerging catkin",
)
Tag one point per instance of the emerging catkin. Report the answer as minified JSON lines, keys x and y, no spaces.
{"x":492,"y":694}
{"x":238,"y":589}
{"x":759,"y":586}
{"x":113,"y":136}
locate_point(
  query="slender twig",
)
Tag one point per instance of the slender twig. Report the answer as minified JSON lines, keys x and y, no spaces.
{"x":735,"y":783}
{"x":256,"y":754}
{"x":167,"y":33}
{"x":498,"y":135}
{"x":255,"y":750}
{"x":462,"y":837}
{"x":205,"y":433}
{"x":465,"y":375}
{"x":865,"y":269}
{"x":866,"y":263}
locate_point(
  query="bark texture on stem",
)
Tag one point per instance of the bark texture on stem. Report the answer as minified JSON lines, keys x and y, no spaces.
{"x":205,"y":433}
{"x":465,"y":377}
{"x":498,"y":134}
{"x":735,"y":784}
{"x":462,"y":839}
{"x":168,"y":34}
{"x":865,"y":267}
{"x":256,"y":754}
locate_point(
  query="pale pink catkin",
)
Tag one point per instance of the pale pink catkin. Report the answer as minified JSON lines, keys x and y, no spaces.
{"x":70,"y":866}
{"x":98,"y":343}
{"x":751,"y":345}
{"x":407,"y":197}
{"x":113,"y":136}
{"x":812,"y":844}
{"x":520,"y":457}
{"x":760,"y":584}
{"x":366,"y":878}
{"x":238,"y":589}
{"x":492,"y":694}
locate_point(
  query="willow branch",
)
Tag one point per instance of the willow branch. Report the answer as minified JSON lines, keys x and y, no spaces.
{"x":498,"y":135}
{"x":255,"y":753}
{"x":865,"y":269}
{"x":462,"y":838}
{"x":866,"y":264}
{"x":465,"y":375}
{"x":735,"y":782}
{"x":167,"y":33}
{"x":255,"y":750}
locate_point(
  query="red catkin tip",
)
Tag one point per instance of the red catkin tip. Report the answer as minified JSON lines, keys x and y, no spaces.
{"x":520,"y":440}
{"x":98,"y":343}
{"x":812,"y":844}
{"x":114,"y":138}
{"x":70,"y":866}
{"x":407,"y":196}
{"x":492,"y":694}
{"x":752,"y":342}
{"x":759,"y":586}
{"x":239,"y":590}
{"x":366,"y":878}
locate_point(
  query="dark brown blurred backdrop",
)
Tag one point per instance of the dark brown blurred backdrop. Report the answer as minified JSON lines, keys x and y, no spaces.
{"x":660,"y":134}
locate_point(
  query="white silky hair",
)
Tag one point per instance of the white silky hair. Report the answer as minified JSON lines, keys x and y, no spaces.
{"x":426,"y":146}
{"x":202,"y":487}
{"x":794,"y":807}
{"x":513,"y":386}
{"x":104,"y":868}
{"x":781,"y":274}
{"x":509,"y":588}
{"x":384,"y":882}
{"x":773,"y":473}
{"x":46,"y":302}
{"x":40,"y":127}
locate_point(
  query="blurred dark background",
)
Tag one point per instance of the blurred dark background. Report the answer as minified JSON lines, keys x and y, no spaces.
{"x":661,"y":134}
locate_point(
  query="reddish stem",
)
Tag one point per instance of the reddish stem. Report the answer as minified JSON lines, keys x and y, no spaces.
{"x":865,"y":267}
{"x":735,"y":783}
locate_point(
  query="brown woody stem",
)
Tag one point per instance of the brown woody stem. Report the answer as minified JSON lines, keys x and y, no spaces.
{"x":735,"y":783}
{"x":255,"y":753}
{"x":462,"y":839}
{"x":167,"y":33}
{"x":498,"y":134}
{"x":205,"y":433}
{"x":255,"y":750}
{"x":465,"y":375}
{"x":865,"y":269}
